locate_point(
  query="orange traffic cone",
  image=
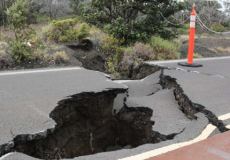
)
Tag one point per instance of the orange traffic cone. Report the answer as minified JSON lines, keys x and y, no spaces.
{"x":191,"y":42}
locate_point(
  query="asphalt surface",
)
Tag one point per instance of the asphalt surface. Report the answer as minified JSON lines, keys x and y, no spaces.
{"x":214,"y":66}
{"x":166,"y":115}
{"x":45,"y":89}
{"x":210,"y":91}
{"x":28,"y":98}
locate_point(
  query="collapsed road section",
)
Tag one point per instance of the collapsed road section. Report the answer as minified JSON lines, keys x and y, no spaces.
{"x":148,"y":114}
{"x":86,"y":125}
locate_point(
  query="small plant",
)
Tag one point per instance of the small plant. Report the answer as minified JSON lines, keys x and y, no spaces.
{"x":23,"y":33}
{"x":112,"y":53}
{"x":164,"y":49}
{"x":96,"y":36}
{"x":140,"y":52}
{"x":66,"y":31}
{"x":218,"y":28}
{"x":197,"y":55}
{"x":186,"y":26}
{"x":40,"y":55}
{"x":60,"y":57}
{"x":83,"y":32}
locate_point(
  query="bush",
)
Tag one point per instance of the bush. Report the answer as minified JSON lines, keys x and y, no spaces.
{"x":164,"y":49}
{"x":42,"y":18}
{"x":226,"y":24}
{"x":196,"y":55}
{"x":66,"y":31}
{"x":110,"y":48}
{"x":17,"y":17}
{"x":120,"y":29}
{"x":112,"y":53}
{"x":140,"y":52}
{"x":96,"y":37}
{"x":186,"y":26}
{"x":40,"y":55}
{"x":60,"y":57}
{"x":218,"y":28}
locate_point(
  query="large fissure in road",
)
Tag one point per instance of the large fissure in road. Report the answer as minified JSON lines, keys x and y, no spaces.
{"x":186,"y":105}
{"x":86,"y":125}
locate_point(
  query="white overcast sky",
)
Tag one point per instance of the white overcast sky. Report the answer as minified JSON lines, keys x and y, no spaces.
{"x":220,"y":1}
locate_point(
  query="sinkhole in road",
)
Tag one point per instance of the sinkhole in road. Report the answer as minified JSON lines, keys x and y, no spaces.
{"x":87,"y":125}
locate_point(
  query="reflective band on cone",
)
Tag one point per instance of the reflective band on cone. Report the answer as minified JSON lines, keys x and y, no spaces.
{"x":192,"y":24}
{"x":193,"y":18}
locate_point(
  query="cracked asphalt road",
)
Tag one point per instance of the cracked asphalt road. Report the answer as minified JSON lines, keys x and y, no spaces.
{"x":28,"y":111}
{"x":213,"y":66}
{"x":27,"y":98}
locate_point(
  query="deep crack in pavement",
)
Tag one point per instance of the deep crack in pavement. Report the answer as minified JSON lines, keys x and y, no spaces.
{"x":155,"y":110}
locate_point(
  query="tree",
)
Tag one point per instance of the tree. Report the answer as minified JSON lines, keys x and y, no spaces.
{"x":208,"y":11}
{"x":134,"y":20}
{"x":54,"y":8}
{"x":17,"y":19}
{"x":77,"y":6}
{"x":4,"y":5}
{"x":3,"y":12}
{"x":227,"y":9}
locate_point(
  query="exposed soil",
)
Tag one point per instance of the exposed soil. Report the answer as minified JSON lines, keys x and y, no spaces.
{"x":208,"y":47}
{"x":86,"y":125}
{"x":78,"y":55}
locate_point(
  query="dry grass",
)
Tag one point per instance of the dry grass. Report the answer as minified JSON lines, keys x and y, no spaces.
{"x":213,"y":50}
{"x":60,"y":56}
{"x":186,"y":37}
{"x":220,"y":50}
{"x":2,"y":54}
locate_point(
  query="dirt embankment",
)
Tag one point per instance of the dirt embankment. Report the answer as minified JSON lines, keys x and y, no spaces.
{"x":208,"y":47}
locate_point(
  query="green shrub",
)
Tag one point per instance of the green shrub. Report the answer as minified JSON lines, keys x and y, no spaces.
{"x":178,"y":44}
{"x":83,"y":32}
{"x":120,"y":29}
{"x":186,"y":26}
{"x":164,"y":49}
{"x":42,"y":18}
{"x":218,"y":28}
{"x":183,"y":31}
{"x":17,"y":19}
{"x":226,"y":24}
{"x":66,"y":31}
{"x":110,"y":48}
{"x":112,"y":53}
